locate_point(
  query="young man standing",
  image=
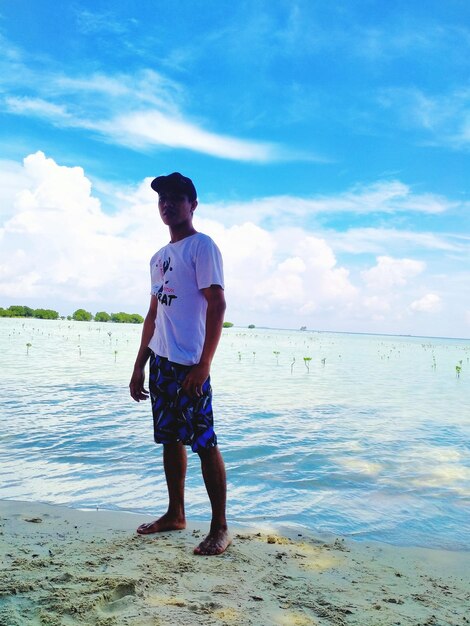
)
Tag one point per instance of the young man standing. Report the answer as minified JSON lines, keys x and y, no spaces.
{"x":180,"y":336}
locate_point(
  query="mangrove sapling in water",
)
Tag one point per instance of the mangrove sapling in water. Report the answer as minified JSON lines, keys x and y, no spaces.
{"x":276,"y":354}
{"x":292,"y":365}
{"x":28,"y":346}
{"x":307,"y":360}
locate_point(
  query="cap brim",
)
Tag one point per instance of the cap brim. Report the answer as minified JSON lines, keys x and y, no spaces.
{"x":158,"y":183}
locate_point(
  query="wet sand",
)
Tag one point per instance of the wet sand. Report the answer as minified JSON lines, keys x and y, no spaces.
{"x":62,"y":566}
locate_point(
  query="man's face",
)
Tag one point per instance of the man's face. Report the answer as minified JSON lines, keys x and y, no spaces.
{"x":175,"y":208}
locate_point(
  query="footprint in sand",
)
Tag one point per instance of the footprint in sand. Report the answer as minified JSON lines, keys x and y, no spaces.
{"x":120,"y":597}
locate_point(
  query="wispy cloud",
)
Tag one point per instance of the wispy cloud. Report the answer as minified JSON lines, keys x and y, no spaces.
{"x":443,"y":118}
{"x":38,"y":107}
{"x":145,"y":88}
{"x":102,"y":21}
{"x":140,"y":112}
{"x":143,"y":130}
{"x":376,"y":240}
{"x":382,"y":197}
{"x":398,"y":40}
{"x":153,"y":128}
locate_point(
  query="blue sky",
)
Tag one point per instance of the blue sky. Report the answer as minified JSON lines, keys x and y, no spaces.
{"x":329,"y":143}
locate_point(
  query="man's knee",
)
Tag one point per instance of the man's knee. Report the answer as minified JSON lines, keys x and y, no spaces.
{"x":174,"y":448}
{"x":207,"y":453}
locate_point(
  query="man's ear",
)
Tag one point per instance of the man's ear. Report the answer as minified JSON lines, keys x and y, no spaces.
{"x":193,"y":205}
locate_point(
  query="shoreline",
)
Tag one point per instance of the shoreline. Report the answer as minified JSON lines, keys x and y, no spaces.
{"x":279,"y":527}
{"x":245,"y":328}
{"x":63,"y":566}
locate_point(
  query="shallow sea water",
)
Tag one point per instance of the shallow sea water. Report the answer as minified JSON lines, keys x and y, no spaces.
{"x":368,"y":439}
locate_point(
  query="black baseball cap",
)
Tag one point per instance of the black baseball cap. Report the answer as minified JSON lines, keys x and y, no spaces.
{"x":175,"y":182}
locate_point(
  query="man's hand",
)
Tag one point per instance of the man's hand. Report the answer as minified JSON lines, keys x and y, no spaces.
{"x":136,"y":386}
{"x":195,"y":379}
{"x":199,"y":373}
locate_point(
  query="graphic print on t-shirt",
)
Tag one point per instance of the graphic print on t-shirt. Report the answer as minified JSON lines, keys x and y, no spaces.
{"x":165,"y":295}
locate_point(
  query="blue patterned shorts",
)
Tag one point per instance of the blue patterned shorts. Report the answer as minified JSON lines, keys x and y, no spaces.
{"x":177,"y":416}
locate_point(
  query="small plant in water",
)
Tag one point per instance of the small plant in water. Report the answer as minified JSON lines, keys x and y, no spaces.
{"x":28,"y":346}
{"x":458,"y":369}
{"x":276,"y":354}
{"x":307,"y":360}
{"x":239,"y":356}
{"x":323,"y":361}
{"x":292,"y":364}
{"x":115,"y":355}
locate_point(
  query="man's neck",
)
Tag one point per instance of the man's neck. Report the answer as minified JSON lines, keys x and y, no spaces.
{"x":177,"y":234}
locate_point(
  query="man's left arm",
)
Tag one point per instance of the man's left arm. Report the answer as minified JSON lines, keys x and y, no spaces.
{"x":199,"y":373}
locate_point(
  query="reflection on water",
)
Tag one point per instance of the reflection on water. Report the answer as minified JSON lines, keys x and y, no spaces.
{"x":365,"y":436}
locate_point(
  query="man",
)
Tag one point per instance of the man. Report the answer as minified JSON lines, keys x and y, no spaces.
{"x":180,"y":336}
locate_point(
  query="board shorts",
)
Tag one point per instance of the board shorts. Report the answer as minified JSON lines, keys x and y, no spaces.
{"x":177,"y":416}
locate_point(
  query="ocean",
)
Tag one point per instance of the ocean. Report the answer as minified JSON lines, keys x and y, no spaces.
{"x":363,"y":436}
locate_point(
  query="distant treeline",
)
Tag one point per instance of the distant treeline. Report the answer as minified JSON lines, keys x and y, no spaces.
{"x":80,"y":315}
{"x":25,"y":311}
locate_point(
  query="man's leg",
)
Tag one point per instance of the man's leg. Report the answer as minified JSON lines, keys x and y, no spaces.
{"x":213,"y":471}
{"x":175,"y":463}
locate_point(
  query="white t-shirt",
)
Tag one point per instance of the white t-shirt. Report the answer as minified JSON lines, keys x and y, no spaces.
{"x":179,"y":271}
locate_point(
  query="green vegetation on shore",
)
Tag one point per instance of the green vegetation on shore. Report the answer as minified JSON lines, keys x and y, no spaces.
{"x":80,"y":315}
{"x":25,"y":311}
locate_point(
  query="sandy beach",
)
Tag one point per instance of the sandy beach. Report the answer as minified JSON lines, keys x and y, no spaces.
{"x":62,"y":566}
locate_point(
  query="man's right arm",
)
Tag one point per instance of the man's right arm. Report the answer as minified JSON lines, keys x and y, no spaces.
{"x":136,"y":385}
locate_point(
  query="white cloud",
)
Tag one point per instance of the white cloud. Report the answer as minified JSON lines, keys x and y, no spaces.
{"x":153,"y":128}
{"x":263,"y":274}
{"x":430,"y":303}
{"x":391,"y":272}
{"x":12,"y":178}
{"x":376,"y":240}
{"x":149,"y":128}
{"x":39,"y":108}
{"x":378,"y":305}
{"x":293,"y":264}
{"x":117,"y":92}
{"x":59,"y":248}
{"x":60,"y":243}
{"x":91,"y":22}
{"x":380,"y":197}
{"x":444,"y":118}
{"x":140,"y":112}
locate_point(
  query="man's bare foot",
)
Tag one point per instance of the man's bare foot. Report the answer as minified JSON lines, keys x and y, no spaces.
{"x":216,"y":542}
{"x":163,"y":524}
